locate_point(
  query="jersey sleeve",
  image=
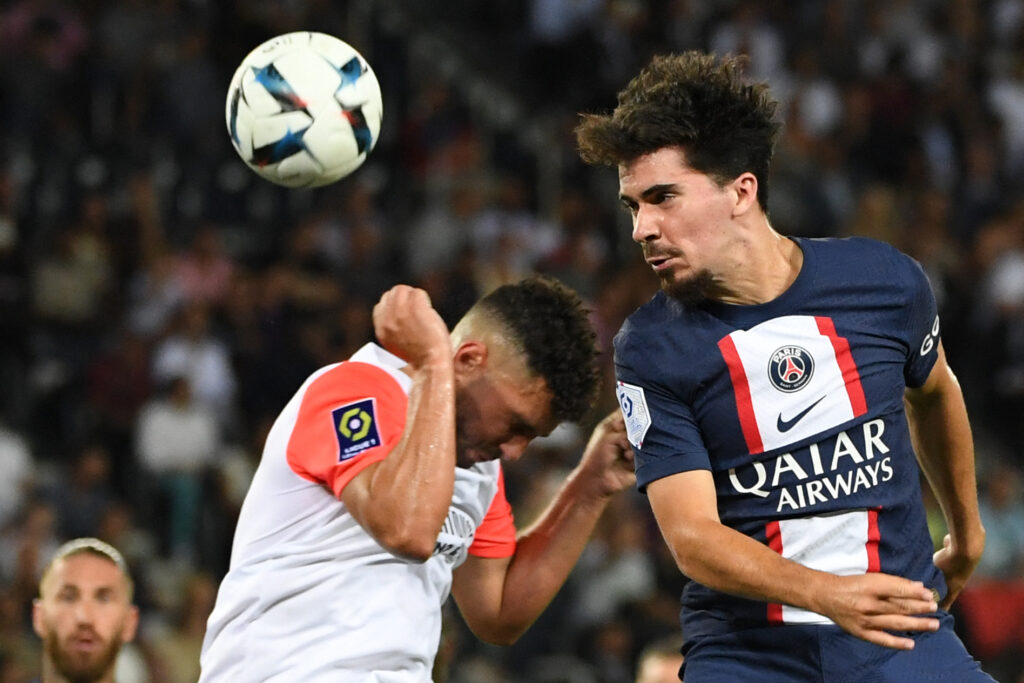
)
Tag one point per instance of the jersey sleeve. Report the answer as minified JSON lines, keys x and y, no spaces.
{"x":922,"y":322}
{"x":350,"y":417}
{"x":496,"y":535}
{"x":660,"y":426}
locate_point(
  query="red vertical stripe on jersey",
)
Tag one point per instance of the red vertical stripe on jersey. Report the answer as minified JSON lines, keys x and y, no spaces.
{"x":851,"y":377}
{"x":741,"y":390}
{"x":773,"y":534}
{"x":874,"y":536}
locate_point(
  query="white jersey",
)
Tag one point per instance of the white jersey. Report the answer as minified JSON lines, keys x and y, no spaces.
{"x":310,"y":595}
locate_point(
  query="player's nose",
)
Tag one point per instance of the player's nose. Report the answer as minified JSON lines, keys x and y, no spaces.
{"x":645,"y":225}
{"x":83,"y":612}
{"x":513,"y":449}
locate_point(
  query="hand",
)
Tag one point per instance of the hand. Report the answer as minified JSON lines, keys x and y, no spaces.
{"x":608,"y":457}
{"x":409,"y":327}
{"x":956,"y":566}
{"x":871,"y":605}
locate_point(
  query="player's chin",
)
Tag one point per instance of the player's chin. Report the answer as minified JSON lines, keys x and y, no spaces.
{"x":689,"y":288}
{"x":471,"y":456}
{"x":485,"y":454}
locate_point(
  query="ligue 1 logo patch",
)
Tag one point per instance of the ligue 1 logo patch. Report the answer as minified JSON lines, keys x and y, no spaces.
{"x":635,"y":413}
{"x":355,"y":425}
{"x":790,"y":368}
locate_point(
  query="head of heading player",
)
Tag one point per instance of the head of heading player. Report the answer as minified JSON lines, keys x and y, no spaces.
{"x":84,"y":612}
{"x":525,"y":360}
{"x":693,"y":143}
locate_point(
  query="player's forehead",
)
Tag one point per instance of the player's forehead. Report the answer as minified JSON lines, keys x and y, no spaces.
{"x":523,"y":395}
{"x":83,"y":571}
{"x":528,"y":399}
{"x":663,"y":166}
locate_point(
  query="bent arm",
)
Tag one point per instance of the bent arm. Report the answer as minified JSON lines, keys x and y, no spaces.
{"x":500,"y":598}
{"x":725,"y":560}
{"x":942,"y":440}
{"x":402,"y":500}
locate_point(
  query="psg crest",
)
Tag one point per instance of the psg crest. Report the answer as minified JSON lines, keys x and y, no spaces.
{"x":790,"y":368}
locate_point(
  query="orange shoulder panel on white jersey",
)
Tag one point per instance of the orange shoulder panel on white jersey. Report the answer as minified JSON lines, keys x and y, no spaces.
{"x":350,"y":417}
{"x":496,"y":535}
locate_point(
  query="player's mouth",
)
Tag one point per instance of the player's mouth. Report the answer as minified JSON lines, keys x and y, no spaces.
{"x":659,"y":263}
{"x":663,"y":264}
{"x":660,"y":260}
{"x":473,"y":456}
{"x":85,"y":643}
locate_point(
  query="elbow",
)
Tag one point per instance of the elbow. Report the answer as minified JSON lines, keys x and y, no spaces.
{"x":415,"y":548}
{"x":406,"y":535}
{"x":497,"y":628}
{"x":505,"y":640}
{"x":500,"y":634}
{"x":691,"y":560}
{"x":410,"y":542}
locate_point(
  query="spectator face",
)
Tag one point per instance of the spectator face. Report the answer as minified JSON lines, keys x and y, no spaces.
{"x":84,"y":614}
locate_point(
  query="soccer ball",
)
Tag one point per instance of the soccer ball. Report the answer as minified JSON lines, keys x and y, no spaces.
{"x":304,"y":109}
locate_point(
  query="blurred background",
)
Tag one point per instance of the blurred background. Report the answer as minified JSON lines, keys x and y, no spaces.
{"x":159,"y":303}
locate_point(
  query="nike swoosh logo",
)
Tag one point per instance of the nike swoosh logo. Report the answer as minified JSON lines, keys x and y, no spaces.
{"x":786,"y":425}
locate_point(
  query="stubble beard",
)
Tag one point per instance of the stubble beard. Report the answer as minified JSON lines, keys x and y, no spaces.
{"x":463,"y":409}
{"x":693,"y":290}
{"x":466,"y":412}
{"x":85,"y":667}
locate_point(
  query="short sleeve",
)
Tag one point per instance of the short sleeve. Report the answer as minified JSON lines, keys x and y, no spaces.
{"x":496,"y":535}
{"x":922,"y":331}
{"x":350,"y":417}
{"x":661,"y":427}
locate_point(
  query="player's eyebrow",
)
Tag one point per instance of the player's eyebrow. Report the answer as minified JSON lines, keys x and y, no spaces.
{"x":649,"y":192}
{"x":522,"y":426}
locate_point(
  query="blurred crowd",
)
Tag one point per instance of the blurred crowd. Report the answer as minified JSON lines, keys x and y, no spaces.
{"x":159,"y":303}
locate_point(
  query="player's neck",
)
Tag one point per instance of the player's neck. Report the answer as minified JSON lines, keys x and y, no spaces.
{"x":771,"y":265}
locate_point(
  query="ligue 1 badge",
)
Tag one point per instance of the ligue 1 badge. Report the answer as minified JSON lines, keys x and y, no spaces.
{"x":355,"y":425}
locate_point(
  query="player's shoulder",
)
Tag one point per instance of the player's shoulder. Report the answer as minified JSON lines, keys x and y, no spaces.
{"x":664,"y":338}
{"x":640,"y":326}
{"x":371,"y":373}
{"x":371,"y":365}
{"x":860,"y":257}
{"x":847,"y":248}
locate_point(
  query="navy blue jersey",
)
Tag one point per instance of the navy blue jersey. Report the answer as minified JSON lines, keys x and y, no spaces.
{"x":796,"y":408}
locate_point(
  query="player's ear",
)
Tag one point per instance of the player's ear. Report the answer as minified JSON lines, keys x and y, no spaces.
{"x":131,"y":624}
{"x":744,"y":187}
{"x":470,"y":357}
{"x":38,"y":623}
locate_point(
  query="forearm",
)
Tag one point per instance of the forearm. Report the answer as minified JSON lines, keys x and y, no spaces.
{"x":409,"y":492}
{"x":725,"y":560}
{"x":500,"y":598}
{"x":546,"y":553}
{"x":942,"y":439}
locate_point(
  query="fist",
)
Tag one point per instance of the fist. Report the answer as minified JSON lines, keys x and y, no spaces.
{"x":408,"y":326}
{"x":608,"y":455}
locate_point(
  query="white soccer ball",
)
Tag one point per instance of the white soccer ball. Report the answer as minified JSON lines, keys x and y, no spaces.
{"x":304,"y":109}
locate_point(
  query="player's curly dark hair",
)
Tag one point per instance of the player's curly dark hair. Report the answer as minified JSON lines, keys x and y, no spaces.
{"x":551,"y":325}
{"x":725,"y":125}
